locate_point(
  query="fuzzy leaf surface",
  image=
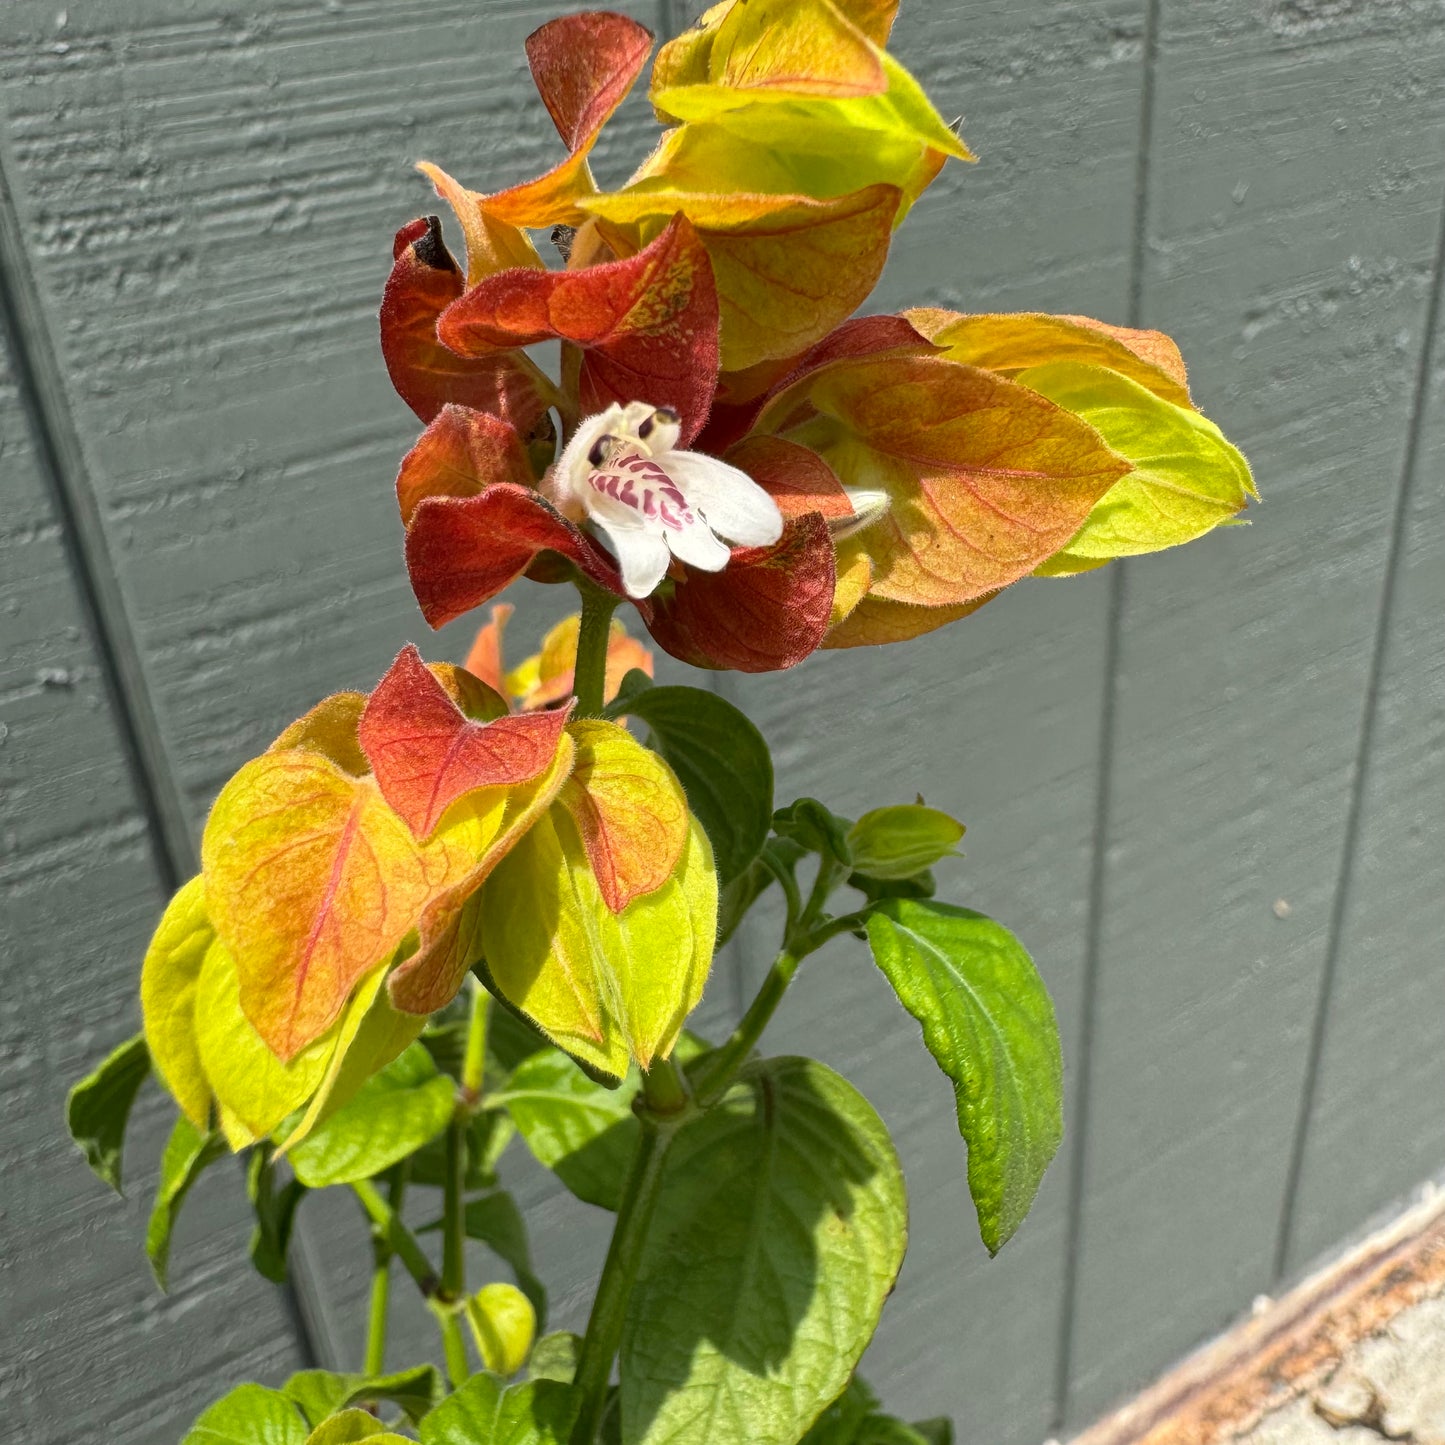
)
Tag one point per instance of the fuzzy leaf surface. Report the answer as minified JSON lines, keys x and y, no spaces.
{"x":778,"y":1232}
{"x":988,"y":1021}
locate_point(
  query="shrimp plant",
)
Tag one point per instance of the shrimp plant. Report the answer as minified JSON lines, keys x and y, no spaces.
{"x":476,"y":906}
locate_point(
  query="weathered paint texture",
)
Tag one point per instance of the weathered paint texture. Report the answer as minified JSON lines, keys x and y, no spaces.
{"x":1207,"y":789}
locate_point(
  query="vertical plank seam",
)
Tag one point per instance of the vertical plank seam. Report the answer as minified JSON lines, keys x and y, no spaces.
{"x":1103,"y":796}
{"x":1359,"y":781}
{"x":61,"y":463}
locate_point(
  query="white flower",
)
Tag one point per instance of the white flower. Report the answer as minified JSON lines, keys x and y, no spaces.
{"x":652,"y":501}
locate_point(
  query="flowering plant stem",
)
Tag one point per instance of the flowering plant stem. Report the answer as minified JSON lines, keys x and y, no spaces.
{"x":590,"y":678}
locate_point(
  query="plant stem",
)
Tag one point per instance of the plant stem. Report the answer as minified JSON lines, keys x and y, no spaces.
{"x":454,"y":1224}
{"x":589,"y":680}
{"x":609,"y":1309}
{"x":454,"y":1345}
{"x":664,"y":1089}
{"x":474,"y":1063}
{"x":375,"y":1361}
{"x":717,"y":1070}
{"x":398,"y":1237}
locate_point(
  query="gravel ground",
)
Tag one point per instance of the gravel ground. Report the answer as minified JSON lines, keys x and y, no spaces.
{"x":1390,"y":1386}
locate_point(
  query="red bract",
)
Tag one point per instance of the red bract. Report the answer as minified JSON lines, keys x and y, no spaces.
{"x":424,"y":281}
{"x":426,"y":752}
{"x":647,"y":326}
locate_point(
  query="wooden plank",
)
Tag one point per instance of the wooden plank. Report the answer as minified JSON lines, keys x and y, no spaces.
{"x":1375,"y":1126}
{"x":996,"y":718}
{"x":89,"y":1346}
{"x":1295,"y":199}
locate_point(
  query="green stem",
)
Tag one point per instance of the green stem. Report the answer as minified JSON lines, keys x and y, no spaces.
{"x":454,"y":1345}
{"x":664,"y":1090}
{"x":717,"y":1070}
{"x":788,"y":884}
{"x":375,"y":1361}
{"x":474,"y":1064}
{"x":399,"y":1239}
{"x":609,"y":1308}
{"x":454,"y":1224}
{"x":589,"y":681}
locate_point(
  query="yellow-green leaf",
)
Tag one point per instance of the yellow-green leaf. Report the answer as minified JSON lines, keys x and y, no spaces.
{"x":168,"y":981}
{"x":1187,"y":478}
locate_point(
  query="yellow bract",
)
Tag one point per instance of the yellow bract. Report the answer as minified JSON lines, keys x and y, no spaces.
{"x":312,"y":881}
{"x":1187,"y":478}
{"x":599,"y":925}
{"x":168,"y":983}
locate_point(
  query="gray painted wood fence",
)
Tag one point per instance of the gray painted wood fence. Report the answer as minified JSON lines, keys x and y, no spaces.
{"x":1208,"y":789}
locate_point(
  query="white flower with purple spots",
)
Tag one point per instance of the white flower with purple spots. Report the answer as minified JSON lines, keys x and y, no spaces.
{"x":652,"y":501}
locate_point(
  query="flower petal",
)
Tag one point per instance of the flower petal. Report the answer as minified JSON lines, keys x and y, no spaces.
{"x":768,"y":610}
{"x":797,"y":479}
{"x":462,"y":551}
{"x":642,"y":555}
{"x":648,"y":325}
{"x":730,"y":501}
{"x":424,"y":281}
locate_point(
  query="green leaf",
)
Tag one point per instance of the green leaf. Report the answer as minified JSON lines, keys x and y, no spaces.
{"x":633,"y":682}
{"x":394,"y":1113}
{"x":100,"y":1104}
{"x":721,"y":761}
{"x":921,"y":885}
{"x":584,"y":1132}
{"x":539,"y":1412}
{"x":188,"y":1153}
{"x":554,"y":1356}
{"x":813,"y":827}
{"x":900,"y":842}
{"x":840,"y":1423}
{"x":275,"y":1214}
{"x":989,"y":1024}
{"x":1187,"y":478}
{"x":249,"y":1415}
{"x":938,"y":1431}
{"x":351,"y":1426}
{"x":319,"y":1393}
{"x":777,"y":1233}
